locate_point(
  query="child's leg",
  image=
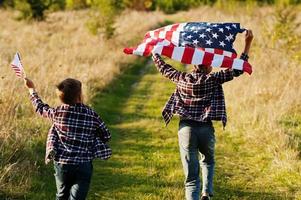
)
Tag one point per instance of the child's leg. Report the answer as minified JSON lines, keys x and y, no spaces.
{"x":80,"y":188}
{"x":189,"y":156}
{"x":207,"y":144}
{"x":64,"y":178}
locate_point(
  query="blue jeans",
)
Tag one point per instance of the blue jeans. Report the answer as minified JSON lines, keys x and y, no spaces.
{"x":72,"y":181}
{"x":197,"y":141}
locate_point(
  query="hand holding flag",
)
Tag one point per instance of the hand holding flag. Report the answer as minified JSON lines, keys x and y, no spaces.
{"x":17,"y":66}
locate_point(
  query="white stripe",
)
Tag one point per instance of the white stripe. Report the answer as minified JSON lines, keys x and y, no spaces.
{"x":151,"y":34}
{"x":168,"y":28}
{"x":210,"y":50}
{"x":198,"y":57}
{"x":175,"y":38}
{"x":162,"y":34}
{"x":238,"y":64}
{"x":157,"y":49}
{"x":217,"y":60}
{"x":181,"y":26}
{"x":141,"y":47}
{"x":177,"y":53}
{"x":164,"y":43}
{"x":227,"y":53}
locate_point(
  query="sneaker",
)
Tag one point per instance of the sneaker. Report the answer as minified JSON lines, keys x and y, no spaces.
{"x":205,"y":198}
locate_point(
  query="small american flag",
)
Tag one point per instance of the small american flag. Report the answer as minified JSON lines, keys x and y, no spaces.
{"x":17,"y":66}
{"x":195,"y":43}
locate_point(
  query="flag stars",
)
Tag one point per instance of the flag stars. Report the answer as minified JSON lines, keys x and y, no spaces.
{"x":209,"y":42}
{"x":234,"y":25}
{"x":208,"y":29}
{"x":195,"y":31}
{"x":202,"y":35}
{"x":195,"y":41}
{"x":229,"y":37}
{"x":222,"y":44}
{"x":221,"y":30}
{"x":215,"y":35}
{"x":228,"y":27}
{"x":189,"y":36}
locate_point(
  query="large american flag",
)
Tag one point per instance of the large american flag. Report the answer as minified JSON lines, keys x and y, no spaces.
{"x":17,"y":66}
{"x":195,"y":43}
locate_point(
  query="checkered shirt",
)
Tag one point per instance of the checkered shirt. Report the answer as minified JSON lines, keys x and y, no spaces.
{"x":77,"y":134}
{"x":198,"y":96}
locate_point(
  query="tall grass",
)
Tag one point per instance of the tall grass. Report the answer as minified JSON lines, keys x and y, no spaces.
{"x":51,"y":51}
{"x":61,"y":47}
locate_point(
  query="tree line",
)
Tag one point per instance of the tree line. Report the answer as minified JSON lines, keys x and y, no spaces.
{"x":35,"y":9}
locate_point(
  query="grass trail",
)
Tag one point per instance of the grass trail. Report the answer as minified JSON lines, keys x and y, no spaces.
{"x":145,"y":162}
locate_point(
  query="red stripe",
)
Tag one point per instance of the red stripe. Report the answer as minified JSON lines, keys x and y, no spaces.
{"x":148,"y":49}
{"x":171,"y":31}
{"x":218,"y":51}
{"x":14,"y":65}
{"x":150,"y":46}
{"x":247,"y":67}
{"x":174,"y":27}
{"x":227,"y":62}
{"x":128,"y":50}
{"x":157,"y":32}
{"x":208,"y":57}
{"x":187,"y":55}
{"x":168,"y":35}
{"x":147,"y":35}
{"x":167,"y":51}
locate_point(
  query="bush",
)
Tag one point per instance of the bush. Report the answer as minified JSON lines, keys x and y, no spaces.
{"x":139,"y":4}
{"x":32,"y":8}
{"x":103,"y":21}
{"x":57,"y":5}
{"x":76,"y":4}
{"x":6,"y":3}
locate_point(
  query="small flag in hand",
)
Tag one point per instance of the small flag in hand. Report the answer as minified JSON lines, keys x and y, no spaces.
{"x":17,"y":66}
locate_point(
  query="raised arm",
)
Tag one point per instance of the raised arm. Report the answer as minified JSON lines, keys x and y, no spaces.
{"x":167,"y":70}
{"x":229,"y":74}
{"x":41,"y":108}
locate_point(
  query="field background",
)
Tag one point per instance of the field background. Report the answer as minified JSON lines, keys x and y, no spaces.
{"x":258,"y":155}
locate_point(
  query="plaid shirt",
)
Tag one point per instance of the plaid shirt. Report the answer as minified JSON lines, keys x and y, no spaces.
{"x":198,"y":96}
{"x":77,"y":134}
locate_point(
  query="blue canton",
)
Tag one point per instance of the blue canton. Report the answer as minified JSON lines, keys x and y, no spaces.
{"x":210,"y":35}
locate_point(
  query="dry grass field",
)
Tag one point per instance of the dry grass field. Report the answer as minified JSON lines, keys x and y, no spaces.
{"x":264,"y":109}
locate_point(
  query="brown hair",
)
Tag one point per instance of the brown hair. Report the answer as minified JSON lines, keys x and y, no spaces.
{"x":199,"y":68}
{"x":70,"y":89}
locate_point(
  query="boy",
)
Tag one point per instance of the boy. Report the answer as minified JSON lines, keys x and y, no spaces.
{"x":198,"y":99}
{"x":76,"y":137}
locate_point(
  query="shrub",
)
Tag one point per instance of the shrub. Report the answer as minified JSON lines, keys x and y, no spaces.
{"x":139,"y":4}
{"x":76,"y":4}
{"x":32,"y":8}
{"x":103,"y":20}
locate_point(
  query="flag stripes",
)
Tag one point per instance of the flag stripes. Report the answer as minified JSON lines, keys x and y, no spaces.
{"x":168,"y":41}
{"x":17,"y":66}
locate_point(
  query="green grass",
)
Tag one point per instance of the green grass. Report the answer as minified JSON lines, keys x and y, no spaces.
{"x":145,"y":163}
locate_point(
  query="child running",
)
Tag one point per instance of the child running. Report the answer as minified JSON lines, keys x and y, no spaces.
{"x":76,"y":137}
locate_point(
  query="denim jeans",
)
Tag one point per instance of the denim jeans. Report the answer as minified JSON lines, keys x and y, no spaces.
{"x":72,"y":181}
{"x":196,"y":142}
